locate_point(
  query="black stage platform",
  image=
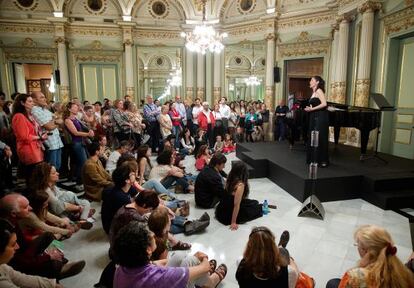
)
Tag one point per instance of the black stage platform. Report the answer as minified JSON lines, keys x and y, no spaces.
{"x":389,"y":186}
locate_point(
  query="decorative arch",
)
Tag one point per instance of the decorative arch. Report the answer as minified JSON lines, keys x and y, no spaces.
{"x":77,"y":8}
{"x":140,"y":10}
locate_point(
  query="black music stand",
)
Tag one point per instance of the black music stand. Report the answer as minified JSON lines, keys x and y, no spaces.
{"x":383,"y":105}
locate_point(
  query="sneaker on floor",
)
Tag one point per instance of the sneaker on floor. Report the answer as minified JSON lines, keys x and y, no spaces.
{"x":195,"y":227}
{"x":204,"y":217}
{"x":284,"y":239}
{"x":71,"y":269}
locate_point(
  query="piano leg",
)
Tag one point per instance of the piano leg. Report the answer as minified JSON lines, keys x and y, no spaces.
{"x":364,"y":141}
{"x":337,"y":130}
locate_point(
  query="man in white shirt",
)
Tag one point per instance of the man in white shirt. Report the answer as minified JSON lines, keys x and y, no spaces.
{"x":225,"y":113}
{"x":179,"y":106}
{"x":196,"y":110}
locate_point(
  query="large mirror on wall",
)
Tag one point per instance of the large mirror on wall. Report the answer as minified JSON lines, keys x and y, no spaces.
{"x":159,"y":72}
{"x":245,"y":71}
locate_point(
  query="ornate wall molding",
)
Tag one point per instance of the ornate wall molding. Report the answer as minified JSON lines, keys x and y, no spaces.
{"x":399,"y":21}
{"x":157,"y":35}
{"x":302,"y":21}
{"x":369,"y":6}
{"x":316,"y":47}
{"x":362,"y":87}
{"x":29,"y":43}
{"x":339,"y":94}
{"x":94,"y":31}
{"x":6,"y":27}
{"x":250,"y":29}
{"x":97,"y":56}
{"x":30,"y":54}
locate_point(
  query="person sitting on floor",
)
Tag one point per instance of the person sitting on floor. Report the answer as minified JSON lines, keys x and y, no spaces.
{"x":159,"y":223}
{"x":8,"y":276}
{"x":235,"y":207}
{"x":379,"y":265}
{"x":119,"y":195}
{"x":94,"y":176}
{"x":124,"y":147}
{"x":229,"y":145}
{"x":187,"y":142}
{"x":61,"y":202}
{"x":133,"y":247}
{"x":203,"y":157}
{"x":209,"y":185}
{"x":219,"y":145}
{"x":32,"y":257}
{"x":144,"y":163}
{"x":264,"y":264}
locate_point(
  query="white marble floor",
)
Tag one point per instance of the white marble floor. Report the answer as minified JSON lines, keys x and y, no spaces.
{"x":322,"y":249}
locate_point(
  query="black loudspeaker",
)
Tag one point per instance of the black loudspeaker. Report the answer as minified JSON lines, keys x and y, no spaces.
{"x":57,"y":77}
{"x":276,"y":74}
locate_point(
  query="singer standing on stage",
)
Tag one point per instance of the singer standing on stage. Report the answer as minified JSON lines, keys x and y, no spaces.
{"x":319,"y":121}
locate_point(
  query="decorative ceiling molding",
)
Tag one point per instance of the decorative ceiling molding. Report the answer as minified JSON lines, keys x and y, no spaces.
{"x":111,"y":56}
{"x":307,"y":20}
{"x":250,"y":29}
{"x":157,"y":35}
{"x":30,"y":54}
{"x":7,"y":27}
{"x":399,"y":21}
{"x":316,"y":47}
{"x":93,"y":31}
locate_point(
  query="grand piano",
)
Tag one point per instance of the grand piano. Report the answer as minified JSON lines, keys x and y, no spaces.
{"x":362,"y":118}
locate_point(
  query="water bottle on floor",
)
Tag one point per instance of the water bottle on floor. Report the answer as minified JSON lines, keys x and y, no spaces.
{"x":265,"y":207}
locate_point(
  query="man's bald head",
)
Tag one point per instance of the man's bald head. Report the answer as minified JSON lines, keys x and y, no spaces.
{"x":39,"y":98}
{"x":14,"y":206}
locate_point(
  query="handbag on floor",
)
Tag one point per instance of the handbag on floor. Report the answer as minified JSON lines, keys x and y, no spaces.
{"x":305,"y":281}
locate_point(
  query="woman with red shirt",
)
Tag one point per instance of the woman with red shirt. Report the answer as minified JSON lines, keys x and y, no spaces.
{"x":176,"y":123}
{"x":28,"y":138}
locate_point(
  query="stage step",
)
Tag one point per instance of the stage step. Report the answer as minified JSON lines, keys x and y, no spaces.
{"x":259,"y":165}
{"x":250,"y":169}
{"x":392,"y":199}
{"x":391,"y":181}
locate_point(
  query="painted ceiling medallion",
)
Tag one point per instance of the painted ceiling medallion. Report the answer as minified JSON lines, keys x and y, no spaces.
{"x":95,"y":7}
{"x":26,"y":5}
{"x":158,"y":9}
{"x":246,"y":6}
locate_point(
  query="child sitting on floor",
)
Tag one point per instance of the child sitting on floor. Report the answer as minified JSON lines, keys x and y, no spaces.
{"x":203,"y":157}
{"x":229,"y":146}
{"x":219,"y":145}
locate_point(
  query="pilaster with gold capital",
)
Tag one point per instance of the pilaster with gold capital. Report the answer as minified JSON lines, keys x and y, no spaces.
{"x":128,"y":56}
{"x":216,"y":94}
{"x":270,"y":61}
{"x":200,"y":93}
{"x":189,"y":94}
{"x":269,"y":95}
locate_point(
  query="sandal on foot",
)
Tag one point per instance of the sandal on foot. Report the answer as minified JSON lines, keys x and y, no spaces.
{"x":221,"y":272}
{"x":181,"y":246}
{"x":213,"y":266}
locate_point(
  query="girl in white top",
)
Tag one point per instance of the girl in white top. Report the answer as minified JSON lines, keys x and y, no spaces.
{"x":165,"y":122}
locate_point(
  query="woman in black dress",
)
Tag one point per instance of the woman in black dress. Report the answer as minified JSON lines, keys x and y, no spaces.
{"x":235,"y":207}
{"x":318,"y":121}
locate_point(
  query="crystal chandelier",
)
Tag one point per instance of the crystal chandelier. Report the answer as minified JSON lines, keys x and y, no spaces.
{"x":252,"y":80}
{"x":175,"y":80}
{"x":204,"y":37}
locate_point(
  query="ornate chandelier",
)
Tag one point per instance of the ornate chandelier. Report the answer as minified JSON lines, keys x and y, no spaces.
{"x":252,"y":80}
{"x":204,"y":37}
{"x":175,"y":80}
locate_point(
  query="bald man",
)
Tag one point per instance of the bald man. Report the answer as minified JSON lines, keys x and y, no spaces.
{"x":46,"y":120}
{"x":31,"y":258}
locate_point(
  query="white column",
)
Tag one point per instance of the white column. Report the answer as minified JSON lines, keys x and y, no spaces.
{"x":129,"y":69}
{"x":334,"y":59}
{"x":200,"y":76}
{"x":340,"y":81}
{"x":189,"y":72}
{"x":217,"y":78}
{"x":146,"y":86}
{"x":270,"y":60}
{"x":365,"y":53}
{"x":63,"y":69}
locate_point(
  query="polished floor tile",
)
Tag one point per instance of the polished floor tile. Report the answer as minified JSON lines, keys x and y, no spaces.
{"x":322,"y":248}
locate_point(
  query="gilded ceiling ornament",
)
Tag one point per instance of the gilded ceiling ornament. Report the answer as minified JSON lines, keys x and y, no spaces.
{"x":26,"y":28}
{"x":317,"y":19}
{"x":60,"y":40}
{"x":369,"y":6}
{"x":92,"y":31}
{"x":128,"y":42}
{"x":198,"y":4}
{"x":399,"y":21}
{"x":96,"y":45}
{"x":303,"y":37}
{"x":245,"y":30}
{"x":316,"y":47}
{"x":29,"y":43}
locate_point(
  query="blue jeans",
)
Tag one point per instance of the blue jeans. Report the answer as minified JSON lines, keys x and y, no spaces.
{"x":80,"y":158}
{"x":176,"y":131}
{"x":54,"y":158}
{"x":177,"y":225}
{"x":158,"y":187}
{"x":167,"y":182}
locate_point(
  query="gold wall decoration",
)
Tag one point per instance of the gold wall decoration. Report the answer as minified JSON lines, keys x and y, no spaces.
{"x":346,"y":2}
{"x":200,"y":93}
{"x":316,"y":47}
{"x":269,"y":92}
{"x":250,"y":29}
{"x":369,"y":6}
{"x":96,"y":45}
{"x":409,"y":2}
{"x":216,"y":94}
{"x":322,"y":18}
{"x":399,"y":21}
{"x":303,"y":37}
{"x":340,"y":92}
{"x":94,"y":31}
{"x":6,"y":27}
{"x":128,"y":42}
{"x":158,"y":35}
{"x":30,"y":54}
{"x":29,"y":43}
{"x":60,"y":40}
{"x":362,"y":92}
{"x":97,"y":58}
{"x":130,"y":91}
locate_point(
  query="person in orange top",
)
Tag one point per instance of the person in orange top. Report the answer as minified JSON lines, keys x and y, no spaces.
{"x":379,"y":265}
{"x":28,"y":139}
{"x":206,"y":121}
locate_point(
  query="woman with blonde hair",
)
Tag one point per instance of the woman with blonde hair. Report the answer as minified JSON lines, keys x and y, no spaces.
{"x":379,"y":266}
